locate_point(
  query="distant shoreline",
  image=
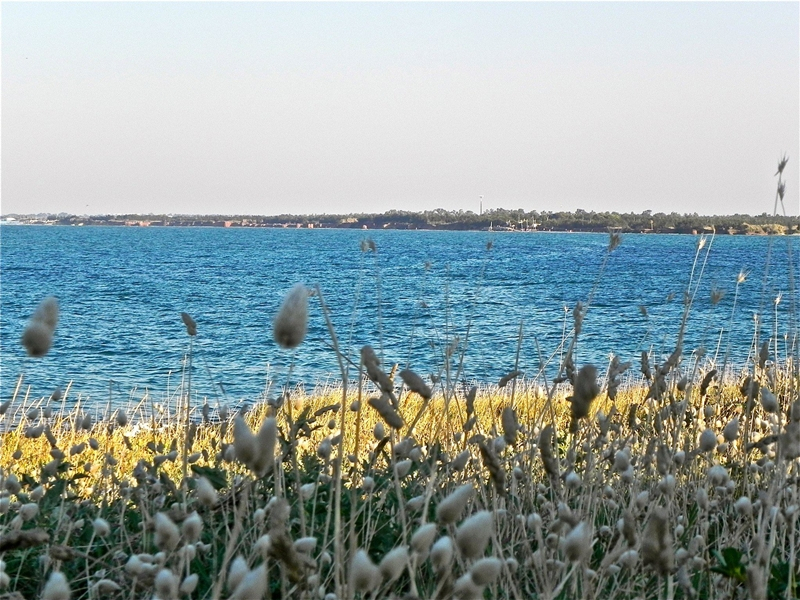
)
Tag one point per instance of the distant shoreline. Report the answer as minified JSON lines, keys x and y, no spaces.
{"x":500,"y":220}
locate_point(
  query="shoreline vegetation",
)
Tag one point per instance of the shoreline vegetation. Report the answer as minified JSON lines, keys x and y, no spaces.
{"x":491,"y":220}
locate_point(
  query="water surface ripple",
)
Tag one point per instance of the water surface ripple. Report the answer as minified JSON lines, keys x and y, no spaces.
{"x":121,"y":291}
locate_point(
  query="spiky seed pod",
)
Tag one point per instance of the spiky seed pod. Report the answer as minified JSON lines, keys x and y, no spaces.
{"x":451,"y":508}
{"x":291,"y":322}
{"x":167,"y":533}
{"x":422,"y":539}
{"x":442,"y":553}
{"x":56,"y":588}
{"x":416,"y":384}
{"x":657,"y":543}
{"x":393,"y":563}
{"x":578,"y":543}
{"x":364,"y":575}
{"x":485,"y":570}
{"x":474,"y":534}
{"x":253,"y":585}
{"x":708,"y":441}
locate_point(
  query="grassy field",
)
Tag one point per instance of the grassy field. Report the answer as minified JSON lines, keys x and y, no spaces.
{"x":654,"y":480}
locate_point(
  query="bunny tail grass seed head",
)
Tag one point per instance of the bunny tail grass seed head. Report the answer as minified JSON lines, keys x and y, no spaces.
{"x":56,"y":587}
{"x":474,"y":534}
{"x":253,"y":585}
{"x":167,"y":533}
{"x":578,"y":543}
{"x":657,"y":543}
{"x":38,"y":335}
{"x":442,"y":553}
{"x":392,"y":565}
{"x":485,"y":570}
{"x":191,"y":326}
{"x":585,"y":390}
{"x":364,"y":575}
{"x":422,"y":539}
{"x":450,"y":509}
{"x":291,"y":322}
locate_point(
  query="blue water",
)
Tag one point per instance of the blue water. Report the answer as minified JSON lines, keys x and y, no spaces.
{"x":122,"y":290}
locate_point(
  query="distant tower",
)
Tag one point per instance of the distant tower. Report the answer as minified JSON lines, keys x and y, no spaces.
{"x":481,"y":197}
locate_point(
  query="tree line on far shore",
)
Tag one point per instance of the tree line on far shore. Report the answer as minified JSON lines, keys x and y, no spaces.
{"x":496,"y":219}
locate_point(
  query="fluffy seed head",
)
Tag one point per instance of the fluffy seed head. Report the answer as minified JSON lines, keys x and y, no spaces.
{"x":167,"y":534}
{"x":364,"y":575}
{"x":166,"y":585}
{"x":206,"y":493}
{"x":56,"y":587}
{"x":731,"y":431}
{"x":442,"y":553}
{"x":578,"y":543}
{"x":392,"y":565}
{"x":253,"y":584}
{"x":485,"y":571}
{"x":38,"y":335}
{"x":101,"y":527}
{"x":291,"y":322}
{"x":191,"y":527}
{"x":422,"y":539}
{"x":450,"y":509}
{"x":708,"y":441}
{"x":657,"y":543}
{"x":189,"y":584}
{"x":236,"y":572}
{"x":474,"y":534}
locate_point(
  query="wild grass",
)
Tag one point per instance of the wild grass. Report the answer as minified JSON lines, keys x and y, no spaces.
{"x":659,"y":480}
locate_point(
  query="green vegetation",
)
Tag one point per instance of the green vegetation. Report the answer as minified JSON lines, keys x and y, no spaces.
{"x":498,"y":219}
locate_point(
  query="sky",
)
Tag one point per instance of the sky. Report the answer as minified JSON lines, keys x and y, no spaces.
{"x":269,"y":108}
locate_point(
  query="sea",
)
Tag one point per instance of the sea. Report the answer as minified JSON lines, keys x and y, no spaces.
{"x":469,"y":306}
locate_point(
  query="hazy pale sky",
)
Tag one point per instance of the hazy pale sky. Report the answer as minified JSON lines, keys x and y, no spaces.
{"x":266,"y":108}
